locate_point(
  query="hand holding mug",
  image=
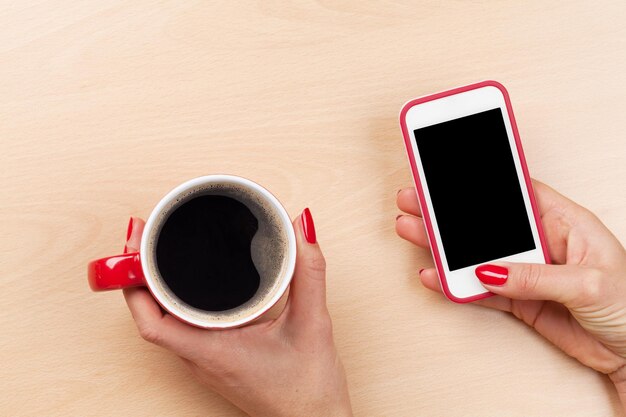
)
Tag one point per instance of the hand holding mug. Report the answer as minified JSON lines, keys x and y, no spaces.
{"x":216,"y":253}
{"x":287,"y":366}
{"x":579,"y":304}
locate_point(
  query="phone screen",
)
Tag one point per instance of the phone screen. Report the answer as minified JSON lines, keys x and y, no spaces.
{"x":474,"y":189}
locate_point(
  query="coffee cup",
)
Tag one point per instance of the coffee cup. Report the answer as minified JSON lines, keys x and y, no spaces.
{"x":217,"y":251}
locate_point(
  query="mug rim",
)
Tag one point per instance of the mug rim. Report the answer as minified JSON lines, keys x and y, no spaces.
{"x":199,"y":181}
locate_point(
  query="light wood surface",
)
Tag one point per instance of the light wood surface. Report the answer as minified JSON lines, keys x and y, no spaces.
{"x":105,"y":106}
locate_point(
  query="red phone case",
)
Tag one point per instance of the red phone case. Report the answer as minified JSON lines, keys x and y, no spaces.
{"x":420,"y":191}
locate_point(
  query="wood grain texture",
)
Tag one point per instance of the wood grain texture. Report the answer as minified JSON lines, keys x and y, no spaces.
{"x":108,"y":105}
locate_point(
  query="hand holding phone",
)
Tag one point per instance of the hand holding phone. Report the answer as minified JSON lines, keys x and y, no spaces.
{"x":473,"y":185}
{"x":578,"y":303}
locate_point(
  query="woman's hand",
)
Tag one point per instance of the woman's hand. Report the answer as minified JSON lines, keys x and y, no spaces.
{"x":287,"y":366}
{"x":579,"y":304}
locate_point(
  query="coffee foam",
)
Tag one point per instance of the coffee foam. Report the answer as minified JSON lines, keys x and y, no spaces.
{"x":269,"y":249}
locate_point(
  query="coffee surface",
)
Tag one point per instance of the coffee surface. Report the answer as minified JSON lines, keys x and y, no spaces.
{"x":203,"y":252}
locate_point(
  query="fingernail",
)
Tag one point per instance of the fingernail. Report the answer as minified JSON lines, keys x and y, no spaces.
{"x":492,"y":274}
{"x":130,"y":228}
{"x":128,"y":233}
{"x":308,"y":227}
{"x":398,"y":216}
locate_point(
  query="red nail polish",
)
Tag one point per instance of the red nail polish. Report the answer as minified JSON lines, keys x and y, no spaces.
{"x":130,"y":228}
{"x":128,"y":233}
{"x":492,"y":274}
{"x":308,"y":227}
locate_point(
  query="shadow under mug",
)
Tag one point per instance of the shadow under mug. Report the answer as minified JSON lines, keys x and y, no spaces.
{"x":140,"y":268}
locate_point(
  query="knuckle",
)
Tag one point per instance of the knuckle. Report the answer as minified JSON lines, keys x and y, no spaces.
{"x":323,"y":328}
{"x":317,"y":263}
{"x":591,"y":286}
{"x":149,"y":333}
{"x":528,"y":277}
{"x":324,"y":322}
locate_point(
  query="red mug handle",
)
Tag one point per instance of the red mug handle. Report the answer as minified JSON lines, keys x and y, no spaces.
{"x":115,"y":272}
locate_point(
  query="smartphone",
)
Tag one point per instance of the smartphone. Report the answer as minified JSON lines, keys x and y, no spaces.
{"x":472,"y":183}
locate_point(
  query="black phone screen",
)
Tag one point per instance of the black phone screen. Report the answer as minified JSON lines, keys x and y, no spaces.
{"x":473,"y":185}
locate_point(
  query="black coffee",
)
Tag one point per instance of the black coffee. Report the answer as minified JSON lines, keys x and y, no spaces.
{"x":204,"y":255}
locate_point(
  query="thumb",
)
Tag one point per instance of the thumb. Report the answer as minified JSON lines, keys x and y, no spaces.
{"x":566,"y":284}
{"x":307,"y":294}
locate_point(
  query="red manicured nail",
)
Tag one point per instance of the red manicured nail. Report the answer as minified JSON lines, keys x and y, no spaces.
{"x":128,"y":233}
{"x":492,"y":274}
{"x":308,"y":227}
{"x":130,"y":228}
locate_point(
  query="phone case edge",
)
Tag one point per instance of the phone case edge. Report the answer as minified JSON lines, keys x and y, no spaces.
{"x":426,"y":214}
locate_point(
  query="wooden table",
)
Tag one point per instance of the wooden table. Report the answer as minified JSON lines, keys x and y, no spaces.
{"x":108,"y":105}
